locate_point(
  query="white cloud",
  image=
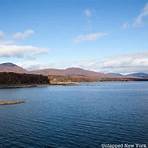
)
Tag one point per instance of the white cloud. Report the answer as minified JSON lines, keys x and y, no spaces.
{"x":9,"y":48}
{"x":125,"y":25}
{"x":2,"y":35}
{"x":90,"y":37}
{"x":140,"y":19}
{"x":87,"y":12}
{"x":23,"y":35}
{"x":129,"y":63}
{"x":12,"y":50}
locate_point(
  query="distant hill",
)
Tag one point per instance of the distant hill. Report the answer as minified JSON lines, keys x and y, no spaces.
{"x":70,"y":72}
{"x":10,"y":67}
{"x":138,"y":75}
{"x":116,"y":74}
{"x":77,"y":74}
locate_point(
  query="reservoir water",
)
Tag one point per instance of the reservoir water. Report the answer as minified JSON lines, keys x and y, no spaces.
{"x":84,"y":116}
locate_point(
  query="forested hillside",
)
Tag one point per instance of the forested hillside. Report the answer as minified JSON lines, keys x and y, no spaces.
{"x":16,"y":79}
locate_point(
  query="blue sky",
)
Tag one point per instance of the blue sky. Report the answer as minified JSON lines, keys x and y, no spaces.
{"x":101,"y":35}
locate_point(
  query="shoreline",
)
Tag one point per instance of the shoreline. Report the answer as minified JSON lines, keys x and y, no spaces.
{"x":11,"y":102}
{"x":64,"y":83}
{"x":22,"y":86}
{"x":11,"y":86}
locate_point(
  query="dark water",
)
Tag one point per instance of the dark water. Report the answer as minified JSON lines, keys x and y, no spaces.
{"x":75,"y":116}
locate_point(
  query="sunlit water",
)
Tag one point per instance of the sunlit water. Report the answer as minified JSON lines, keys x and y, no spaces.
{"x":75,"y":116}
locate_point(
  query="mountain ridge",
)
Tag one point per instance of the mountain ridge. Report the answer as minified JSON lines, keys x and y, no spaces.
{"x":138,"y":75}
{"x":71,"y":71}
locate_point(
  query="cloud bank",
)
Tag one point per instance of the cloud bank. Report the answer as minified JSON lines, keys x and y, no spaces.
{"x":129,"y":63}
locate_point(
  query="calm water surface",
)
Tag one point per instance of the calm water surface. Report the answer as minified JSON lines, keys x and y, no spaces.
{"x":75,"y":116}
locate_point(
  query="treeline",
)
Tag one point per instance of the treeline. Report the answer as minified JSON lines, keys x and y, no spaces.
{"x":18,"y":79}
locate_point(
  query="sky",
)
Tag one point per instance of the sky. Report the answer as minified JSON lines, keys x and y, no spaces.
{"x":99,"y":35}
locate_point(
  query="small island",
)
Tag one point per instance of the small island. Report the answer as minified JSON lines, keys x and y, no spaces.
{"x":11,"y":102}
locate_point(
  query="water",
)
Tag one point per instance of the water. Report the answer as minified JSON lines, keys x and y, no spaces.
{"x":75,"y":116}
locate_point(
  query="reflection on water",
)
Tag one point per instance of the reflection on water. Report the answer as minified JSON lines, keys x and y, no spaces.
{"x":75,"y":116}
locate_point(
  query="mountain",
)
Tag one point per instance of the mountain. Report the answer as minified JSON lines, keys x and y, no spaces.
{"x":138,"y":75}
{"x":116,"y":74}
{"x":10,"y":67}
{"x":73,"y":72}
{"x":70,"y":72}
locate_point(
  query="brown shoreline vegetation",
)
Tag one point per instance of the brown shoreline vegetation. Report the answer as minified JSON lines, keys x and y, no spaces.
{"x":75,"y":79}
{"x":11,"y":102}
{"x":12,"y":79}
